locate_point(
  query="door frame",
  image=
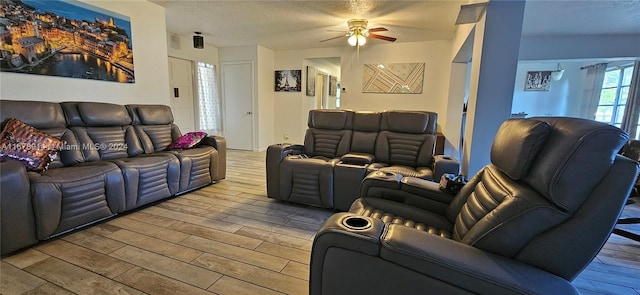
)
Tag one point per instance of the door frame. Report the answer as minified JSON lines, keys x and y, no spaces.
{"x":225,"y":123}
{"x":194,"y":88}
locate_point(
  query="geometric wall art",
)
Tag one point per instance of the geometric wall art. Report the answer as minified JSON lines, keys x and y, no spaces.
{"x":66,"y":39}
{"x":393,"y":78}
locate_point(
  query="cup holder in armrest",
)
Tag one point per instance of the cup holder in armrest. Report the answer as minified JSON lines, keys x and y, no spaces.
{"x":356,"y":223}
{"x":384,"y":174}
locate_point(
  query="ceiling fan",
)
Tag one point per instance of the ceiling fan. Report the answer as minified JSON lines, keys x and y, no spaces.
{"x":358,"y":33}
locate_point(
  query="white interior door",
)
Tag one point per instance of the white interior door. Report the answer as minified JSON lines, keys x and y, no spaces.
{"x":237,"y":95}
{"x":182,"y":98}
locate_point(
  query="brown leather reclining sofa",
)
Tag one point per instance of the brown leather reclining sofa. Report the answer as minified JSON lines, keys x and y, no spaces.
{"x":342,"y":146}
{"x":115,"y":159}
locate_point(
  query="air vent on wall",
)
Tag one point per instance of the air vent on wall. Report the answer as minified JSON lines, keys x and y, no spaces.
{"x":175,"y":42}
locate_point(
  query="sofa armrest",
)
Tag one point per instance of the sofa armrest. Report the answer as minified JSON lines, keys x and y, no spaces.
{"x":376,"y":182}
{"x":444,"y":164}
{"x":275,"y":154}
{"x":17,"y":220}
{"x":465,"y":266}
{"x":425,"y":189}
{"x":394,"y":259}
{"x":220,"y":144}
{"x":357,"y":159}
{"x":412,"y":191}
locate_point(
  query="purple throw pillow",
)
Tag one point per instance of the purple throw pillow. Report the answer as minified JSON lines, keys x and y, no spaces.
{"x":187,"y":140}
{"x":32,"y":147}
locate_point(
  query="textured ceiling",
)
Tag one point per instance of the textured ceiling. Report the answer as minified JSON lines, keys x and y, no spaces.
{"x":302,"y":24}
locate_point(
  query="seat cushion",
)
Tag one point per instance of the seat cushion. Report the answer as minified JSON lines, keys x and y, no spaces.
{"x":391,"y":212}
{"x":149,"y":178}
{"x":307,"y":180}
{"x":67,"y":197}
{"x":197,"y":166}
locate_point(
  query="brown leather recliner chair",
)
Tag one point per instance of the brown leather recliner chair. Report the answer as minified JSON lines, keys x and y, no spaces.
{"x":528,"y":223}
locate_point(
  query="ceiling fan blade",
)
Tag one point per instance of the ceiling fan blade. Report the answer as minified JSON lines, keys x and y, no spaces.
{"x":380,"y":29}
{"x":385,"y":38}
{"x":332,"y":38}
{"x":338,"y":31}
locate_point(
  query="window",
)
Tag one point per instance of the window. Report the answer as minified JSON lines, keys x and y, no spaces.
{"x":208,"y":100}
{"x":614,"y":95}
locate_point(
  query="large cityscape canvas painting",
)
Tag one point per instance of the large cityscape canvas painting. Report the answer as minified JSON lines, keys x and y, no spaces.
{"x":65,"y":38}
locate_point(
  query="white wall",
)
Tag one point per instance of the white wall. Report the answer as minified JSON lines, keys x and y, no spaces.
{"x":562,"y":96}
{"x":291,"y":109}
{"x":579,"y":47}
{"x":265,"y":110}
{"x":184,"y":49}
{"x":149,"y":56}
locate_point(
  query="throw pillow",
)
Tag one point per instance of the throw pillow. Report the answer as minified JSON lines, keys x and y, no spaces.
{"x":34,"y":148}
{"x":188,"y":140}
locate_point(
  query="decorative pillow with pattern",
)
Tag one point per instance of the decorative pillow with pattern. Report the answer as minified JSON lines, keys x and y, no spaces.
{"x":33,"y":148}
{"x":188,"y":140}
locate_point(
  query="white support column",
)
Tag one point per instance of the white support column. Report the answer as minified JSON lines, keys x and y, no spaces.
{"x":493,"y":69}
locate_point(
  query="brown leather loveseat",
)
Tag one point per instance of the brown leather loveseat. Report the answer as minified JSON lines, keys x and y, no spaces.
{"x":342,"y":146}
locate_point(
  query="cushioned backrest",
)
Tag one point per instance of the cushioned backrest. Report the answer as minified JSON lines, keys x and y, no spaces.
{"x":329,"y":133}
{"x":330,"y":119}
{"x":108,"y":143}
{"x":96,"y":114}
{"x":414,"y":150}
{"x":70,"y":153}
{"x":366,"y":126}
{"x":498,"y":214}
{"x":157,"y":137}
{"x":516,"y":145}
{"x":150,"y":114}
{"x":409,"y":122}
{"x":327,"y":143}
{"x":406,"y":138}
{"x":154,"y":125}
{"x":49,"y":118}
{"x":38,"y":114}
{"x":576,"y":156}
{"x":503,"y":214}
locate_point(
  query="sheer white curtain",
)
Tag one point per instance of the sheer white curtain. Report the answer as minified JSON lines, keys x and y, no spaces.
{"x":592,"y":89}
{"x":632,"y":111}
{"x":209,"y":100}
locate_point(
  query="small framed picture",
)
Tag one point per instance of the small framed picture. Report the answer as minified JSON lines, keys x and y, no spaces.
{"x":288,"y":80}
{"x":537,"y":81}
{"x":311,"y":81}
{"x":333,"y":85}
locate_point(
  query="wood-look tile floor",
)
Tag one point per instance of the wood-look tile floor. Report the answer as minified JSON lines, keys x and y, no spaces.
{"x":228,"y":238}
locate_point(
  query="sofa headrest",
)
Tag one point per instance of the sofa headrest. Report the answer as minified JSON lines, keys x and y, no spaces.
{"x":39,"y":114}
{"x":330,"y":119}
{"x":366,"y":121}
{"x":102,"y":114}
{"x":574,"y":159}
{"x":150,"y":114}
{"x":409,"y":122}
{"x":516,"y":145}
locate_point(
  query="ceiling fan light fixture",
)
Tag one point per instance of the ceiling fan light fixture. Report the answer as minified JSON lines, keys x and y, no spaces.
{"x":557,"y":74}
{"x":353,"y":40}
{"x":362,"y":40}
